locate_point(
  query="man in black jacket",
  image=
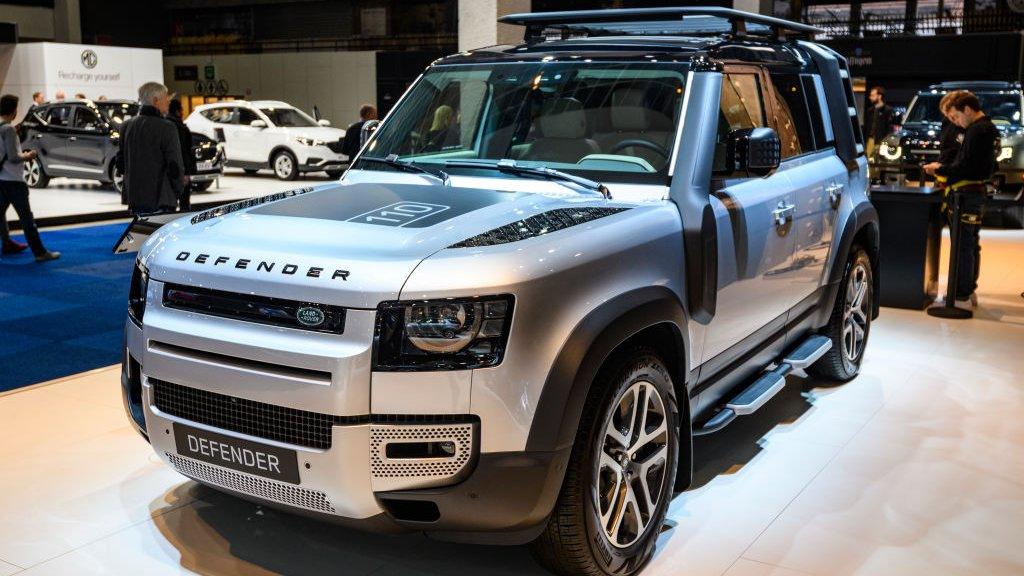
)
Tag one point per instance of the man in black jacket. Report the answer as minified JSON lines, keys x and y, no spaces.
{"x":153,"y":173}
{"x":352,"y":143}
{"x":878,"y":119}
{"x":174,"y":114}
{"x":967,"y":174}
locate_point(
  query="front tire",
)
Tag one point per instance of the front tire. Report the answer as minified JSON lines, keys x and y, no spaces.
{"x":850,"y":323}
{"x":251,"y":171}
{"x":620,"y":477}
{"x":117,"y":180}
{"x":285,"y":166}
{"x":35,"y":176}
{"x":202,"y":186}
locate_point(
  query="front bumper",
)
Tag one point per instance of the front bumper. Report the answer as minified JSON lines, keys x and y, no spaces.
{"x":495,"y":497}
{"x":321,"y":158}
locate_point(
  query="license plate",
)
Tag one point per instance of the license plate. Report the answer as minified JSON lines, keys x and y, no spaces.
{"x":204,"y":165}
{"x":250,"y":457}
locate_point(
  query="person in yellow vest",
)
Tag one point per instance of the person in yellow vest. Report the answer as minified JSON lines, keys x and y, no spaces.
{"x":968,"y":174}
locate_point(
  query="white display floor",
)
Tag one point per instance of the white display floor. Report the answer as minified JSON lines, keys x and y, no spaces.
{"x":69,"y":196}
{"x":914,"y":468}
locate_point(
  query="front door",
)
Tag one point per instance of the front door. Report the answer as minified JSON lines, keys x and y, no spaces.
{"x":52,"y":140}
{"x":754,"y":216}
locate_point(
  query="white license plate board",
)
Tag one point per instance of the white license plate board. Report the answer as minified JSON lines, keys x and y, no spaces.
{"x":204,"y":165}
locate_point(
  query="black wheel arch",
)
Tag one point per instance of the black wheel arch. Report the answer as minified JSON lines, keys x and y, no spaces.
{"x":651,"y":316}
{"x":861,"y":229}
{"x":278,"y":149}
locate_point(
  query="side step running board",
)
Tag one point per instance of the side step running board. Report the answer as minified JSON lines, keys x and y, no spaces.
{"x":767,"y":385}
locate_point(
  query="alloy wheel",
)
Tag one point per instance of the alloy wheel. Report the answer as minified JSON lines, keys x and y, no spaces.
{"x":855,"y":314}
{"x":118,"y":178}
{"x":32,"y":172}
{"x":283,"y":166}
{"x":631,"y":469}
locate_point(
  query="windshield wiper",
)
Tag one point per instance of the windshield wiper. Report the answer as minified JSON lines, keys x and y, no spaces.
{"x":392,"y":160}
{"x":509,"y":166}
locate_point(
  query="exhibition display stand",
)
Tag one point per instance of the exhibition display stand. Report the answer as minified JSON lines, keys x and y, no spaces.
{"x":910,"y":227}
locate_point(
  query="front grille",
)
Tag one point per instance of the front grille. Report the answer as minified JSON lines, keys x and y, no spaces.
{"x":298,"y":427}
{"x":246,"y":484}
{"x":336,"y":146}
{"x":260,"y":309}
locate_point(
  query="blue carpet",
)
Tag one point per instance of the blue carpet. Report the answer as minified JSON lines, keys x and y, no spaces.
{"x":63,"y":317}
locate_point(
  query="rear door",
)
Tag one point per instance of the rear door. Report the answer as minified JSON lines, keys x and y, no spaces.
{"x":818,"y":178}
{"x":88,"y":142}
{"x":754,"y":231}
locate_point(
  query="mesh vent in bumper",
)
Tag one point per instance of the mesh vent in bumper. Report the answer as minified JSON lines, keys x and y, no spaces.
{"x":255,"y":486}
{"x":298,"y":427}
{"x":408,"y":473}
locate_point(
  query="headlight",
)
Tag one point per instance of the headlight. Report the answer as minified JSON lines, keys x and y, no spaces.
{"x":137,"y":293}
{"x":1005,"y":153}
{"x":451,"y":334}
{"x":309,"y":141}
{"x":890,"y":152}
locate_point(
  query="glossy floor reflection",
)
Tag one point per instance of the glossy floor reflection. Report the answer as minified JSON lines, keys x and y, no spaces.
{"x":915,"y":467}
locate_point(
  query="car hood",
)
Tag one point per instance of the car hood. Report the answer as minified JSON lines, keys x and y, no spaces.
{"x":348,"y":244}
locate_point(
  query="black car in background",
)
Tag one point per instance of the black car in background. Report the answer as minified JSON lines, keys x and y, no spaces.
{"x":80,"y":138}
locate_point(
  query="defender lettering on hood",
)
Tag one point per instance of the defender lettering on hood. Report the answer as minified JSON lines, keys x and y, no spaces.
{"x":261,"y":266}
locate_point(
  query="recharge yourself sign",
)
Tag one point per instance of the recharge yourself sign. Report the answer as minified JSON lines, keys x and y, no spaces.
{"x":96,"y":71}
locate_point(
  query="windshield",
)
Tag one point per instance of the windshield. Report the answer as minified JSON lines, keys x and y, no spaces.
{"x":1004,"y":109}
{"x":117,"y":113}
{"x":604,"y":121}
{"x":289,"y":117}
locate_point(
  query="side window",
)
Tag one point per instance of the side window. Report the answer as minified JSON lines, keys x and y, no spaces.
{"x":245,"y":116}
{"x":86,"y":119}
{"x":821,"y":122}
{"x":792,"y":120}
{"x":742,"y":106}
{"x":218,"y":115}
{"x":58,"y":116}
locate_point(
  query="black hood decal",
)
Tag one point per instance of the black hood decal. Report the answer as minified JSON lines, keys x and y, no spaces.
{"x":395,"y":205}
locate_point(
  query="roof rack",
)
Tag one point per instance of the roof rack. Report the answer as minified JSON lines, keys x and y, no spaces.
{"x":648,"y":21}
{"x":976,"y":84}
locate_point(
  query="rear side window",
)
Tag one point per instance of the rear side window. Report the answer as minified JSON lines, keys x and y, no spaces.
{"x":246,"y":116}
{"x":821,"y":122}
{"x":742,"y":106}
{"x":792,"y":120}
{"x":219,"y":115}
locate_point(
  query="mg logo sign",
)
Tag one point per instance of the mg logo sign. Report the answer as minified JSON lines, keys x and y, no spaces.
{"x":89,"y":59}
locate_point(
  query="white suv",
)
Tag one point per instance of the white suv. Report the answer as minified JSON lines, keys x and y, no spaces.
{"x":271,"y":134}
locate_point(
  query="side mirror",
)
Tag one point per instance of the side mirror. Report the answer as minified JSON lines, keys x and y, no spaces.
{"x":757,"y":151}
{"x":369,"y":127}
{"x":258,"y":124}
{"x":323,"y":122}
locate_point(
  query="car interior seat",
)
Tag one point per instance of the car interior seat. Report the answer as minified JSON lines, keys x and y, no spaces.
{"x":634,"y":118}
{"x":563,"y":126}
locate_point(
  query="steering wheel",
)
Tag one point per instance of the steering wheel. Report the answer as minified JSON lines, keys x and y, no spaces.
{"x":640,"y":143}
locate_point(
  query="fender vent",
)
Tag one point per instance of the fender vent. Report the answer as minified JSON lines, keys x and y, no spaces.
{"x":236,"y":206}
{"x":543,"y":223}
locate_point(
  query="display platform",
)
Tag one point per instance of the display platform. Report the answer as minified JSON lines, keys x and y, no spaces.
{"x":914,"y":467}
{"x":68,"y":200}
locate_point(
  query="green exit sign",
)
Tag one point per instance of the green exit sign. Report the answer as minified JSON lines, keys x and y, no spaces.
{"x":209,"y":72}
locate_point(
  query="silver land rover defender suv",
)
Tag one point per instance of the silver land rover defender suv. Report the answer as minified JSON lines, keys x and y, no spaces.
{"x":549,"y":268}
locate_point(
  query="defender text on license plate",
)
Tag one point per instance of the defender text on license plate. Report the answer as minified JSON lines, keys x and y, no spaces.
{"x":242,"y":455}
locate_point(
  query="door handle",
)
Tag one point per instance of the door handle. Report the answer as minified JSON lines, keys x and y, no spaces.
{"x":835,"y":194}
{"x":73,"y":138}
{"x":38,"y":136}
{"x":783,"y":214}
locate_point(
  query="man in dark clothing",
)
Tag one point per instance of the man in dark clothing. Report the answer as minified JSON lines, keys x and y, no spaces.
{"x":350,"y":147}
{"x":967,"y":174}
{"x":174,"y":114}
{"x":13,"y":190}
{"x":878,"y":120}
{"x":153,"y":173}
